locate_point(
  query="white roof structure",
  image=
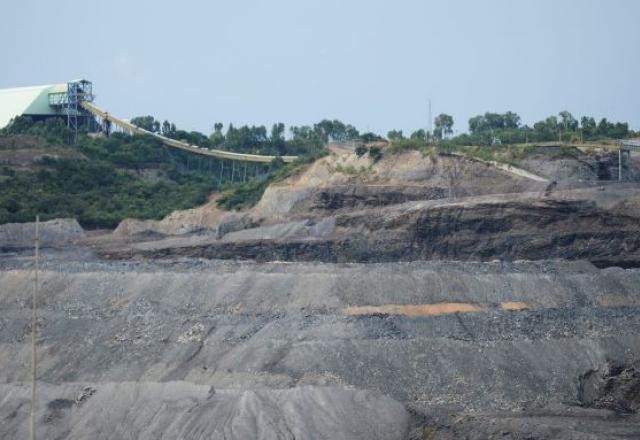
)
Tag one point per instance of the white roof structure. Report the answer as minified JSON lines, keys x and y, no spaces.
{"x":28,"y":101}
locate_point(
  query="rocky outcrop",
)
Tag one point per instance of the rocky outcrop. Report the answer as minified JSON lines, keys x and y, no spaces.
{"x":349,"y":197}
{"x":53,"y":233}
{"x":614,"y":386}
{"x":534,"y":229}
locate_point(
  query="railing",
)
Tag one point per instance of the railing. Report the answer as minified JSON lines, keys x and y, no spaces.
{"x":630,"y":144}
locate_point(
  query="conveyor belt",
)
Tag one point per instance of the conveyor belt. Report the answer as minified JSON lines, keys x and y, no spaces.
{"x":220,"y":154}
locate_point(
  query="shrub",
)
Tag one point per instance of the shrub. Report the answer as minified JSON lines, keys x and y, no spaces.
{"x":361,"y":150}
{"x":375,"y":153}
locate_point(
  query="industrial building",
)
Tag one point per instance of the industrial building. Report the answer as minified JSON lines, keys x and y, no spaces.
{"x":73,"y":101}
{"x":42,"y":102}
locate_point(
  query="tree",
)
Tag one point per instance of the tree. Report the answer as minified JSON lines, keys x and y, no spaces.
{"x":551,"y":123}
{"x":588,"y":126}
{"x":217,"y":137}
{"x":361,"y":150}
{"x":494,"y":121}
{"x":277,"y":132}
{"x":369,"y":137}
{"x":351,"y":132}
{"x":394,"y":135}
{"x":511,"y":120}
{"x":327,"y":130}
{"x":620,"y":130}
{"x":336,"y":130}
{"x":375,"y":153}
{"x":546,"y":130}
{"x":443,"y":126}
{"x":166,"y":128}
{"x":147,"y":123}
{"x":604,"y":127}
{"x":477,"y":124}
{"x":305,"y":133}
{"x":419,"y":135}
{"x":567,"y":121}
{"x":277,"y":138}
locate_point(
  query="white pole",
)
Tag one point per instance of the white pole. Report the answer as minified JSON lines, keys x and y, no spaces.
{"x":619,"y":164}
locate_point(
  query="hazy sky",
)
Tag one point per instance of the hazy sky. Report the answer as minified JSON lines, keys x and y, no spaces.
{"x":372,"y":63}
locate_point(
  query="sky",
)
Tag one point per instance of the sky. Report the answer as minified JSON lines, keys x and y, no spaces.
{"x":372,"y":63}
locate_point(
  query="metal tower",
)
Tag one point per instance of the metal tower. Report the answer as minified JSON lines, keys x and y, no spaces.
{"x":77,"y":91}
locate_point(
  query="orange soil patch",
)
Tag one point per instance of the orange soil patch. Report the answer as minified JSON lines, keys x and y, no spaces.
{"x":514,"y":305}
{"x":414,"y":309}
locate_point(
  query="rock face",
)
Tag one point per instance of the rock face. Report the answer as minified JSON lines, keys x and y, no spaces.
{"x":520,"y":227}
{"x":616,"y":387}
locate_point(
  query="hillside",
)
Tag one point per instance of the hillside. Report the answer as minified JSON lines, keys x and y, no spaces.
{"x":407,"y":293}
{"x":342,"y":206}
{"x":97,"y":181}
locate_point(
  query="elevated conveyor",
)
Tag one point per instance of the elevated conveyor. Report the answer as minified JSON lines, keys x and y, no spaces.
{"x":220,"y":154}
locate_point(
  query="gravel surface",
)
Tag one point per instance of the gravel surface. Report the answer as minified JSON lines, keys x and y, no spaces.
{"x":283,"y":359}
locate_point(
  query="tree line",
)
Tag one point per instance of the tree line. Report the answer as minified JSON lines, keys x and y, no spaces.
{"x":303,"y":140}
{"x":486,"y":129}
{"x":491,"y":128}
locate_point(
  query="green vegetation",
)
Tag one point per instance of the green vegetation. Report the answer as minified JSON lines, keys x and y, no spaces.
{"x":490,"y":127}
{"x":304,"y":140}
{"x":443,"y":126}
{"x":505,"y":153}
{"x":98,"y":181}
{"x":361,"y":150}
{"x":102,"y":180}
{"x":502,"y":137}
{"x":96,"y":193}
{"x":506,"y":128}
{"x":375,"y":153}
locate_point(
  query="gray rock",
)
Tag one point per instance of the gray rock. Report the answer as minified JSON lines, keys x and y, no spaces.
{"x":58,"y":232}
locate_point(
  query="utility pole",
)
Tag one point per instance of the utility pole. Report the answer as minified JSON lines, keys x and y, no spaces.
{"x":430,"y":120}
{"x":34,"y":299}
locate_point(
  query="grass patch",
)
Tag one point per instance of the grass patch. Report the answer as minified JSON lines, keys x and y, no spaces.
{"x":511,"y":154}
